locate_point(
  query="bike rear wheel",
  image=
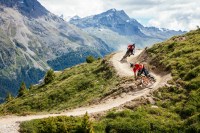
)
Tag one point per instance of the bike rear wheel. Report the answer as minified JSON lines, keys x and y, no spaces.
{"x":147,"y":81}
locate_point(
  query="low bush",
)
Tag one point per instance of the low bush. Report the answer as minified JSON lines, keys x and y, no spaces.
{"x":90,"y":59}
{"x":49,"y":77}
{"x":60,"y":124}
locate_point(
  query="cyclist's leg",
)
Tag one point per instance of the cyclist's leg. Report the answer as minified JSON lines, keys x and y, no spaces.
{"x":130,"y":53}
{"x":139,"y":73}
{"x":139,"y":77}
{"x":146,"y":73}
{"x":127,"y":52}
{"x":145,"y":80}
{"x":124,"y":57}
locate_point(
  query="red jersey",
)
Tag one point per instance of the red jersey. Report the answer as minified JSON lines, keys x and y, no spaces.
{"x":138,"y":67}
{"x":130,"y":47}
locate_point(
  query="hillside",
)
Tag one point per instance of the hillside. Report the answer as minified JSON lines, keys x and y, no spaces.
{"x":124,"y":91}
{"x":176,"y":107}
{"x":73,"y":87}
{"x":116,"y":28}
{"x":33,"y":39}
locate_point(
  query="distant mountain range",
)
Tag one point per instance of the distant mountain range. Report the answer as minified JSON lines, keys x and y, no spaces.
{"x":116,"y":28}
{"x":33,"y":40}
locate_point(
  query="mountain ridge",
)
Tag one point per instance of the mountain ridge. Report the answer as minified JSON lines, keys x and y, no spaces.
{"x":128,"y":29}
{"x":29,"y":8}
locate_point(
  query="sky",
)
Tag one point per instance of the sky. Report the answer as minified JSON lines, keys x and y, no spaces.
{"x":170,"y":14}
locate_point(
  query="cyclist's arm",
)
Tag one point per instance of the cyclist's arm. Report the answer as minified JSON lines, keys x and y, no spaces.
{"x":135,"y":75}
{"x":135,"y":70}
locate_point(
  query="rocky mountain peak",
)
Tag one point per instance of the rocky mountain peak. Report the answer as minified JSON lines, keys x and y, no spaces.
{"x":76,"y":17}
{"x":29,"y":8}
{"x":111,"y":10}
{"x":116,"y":20}
{"x":117,"y":14}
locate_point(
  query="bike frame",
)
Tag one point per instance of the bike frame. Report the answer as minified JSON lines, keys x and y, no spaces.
{"x":146,"y":81}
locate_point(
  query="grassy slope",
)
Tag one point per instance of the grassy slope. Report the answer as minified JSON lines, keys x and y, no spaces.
{"x":73,"y":87}
{"x":178,"y":105}
{"x":181,"y":55}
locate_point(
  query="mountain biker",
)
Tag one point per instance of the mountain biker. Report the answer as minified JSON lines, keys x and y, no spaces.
{"x":130,"y":51}
{"x":139,"y":69}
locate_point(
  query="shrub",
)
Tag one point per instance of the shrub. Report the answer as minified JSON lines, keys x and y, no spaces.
{"x":49,"y":77}
{"x":192,"y":125}
{"x":22,"y":90}
{"x":187,"y":111}
{"x":141,"y":121}
{"x":31,"y":87}
{"x":86,"y":125}
{"x":9,"y":97}
{"x":83,"y":85}
{"x":171,"y":46}
{"x":90,"y":59}
{"x":60,"y":124}
{"x":192,"y":73}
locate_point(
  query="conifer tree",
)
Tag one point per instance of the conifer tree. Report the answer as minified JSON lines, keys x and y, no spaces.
{"x":22,"y":90}
{"x":86,"y":124}
{"x":31,"y":87}
{"x":50,"y":76}
{"x":9,"y":97}
{"x":90,"y":59}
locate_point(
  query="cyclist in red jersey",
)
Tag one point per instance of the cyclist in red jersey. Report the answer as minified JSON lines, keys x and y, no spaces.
{"x":131,"y":48}
{"x":130,"y":51}
{"x":139,"y":69}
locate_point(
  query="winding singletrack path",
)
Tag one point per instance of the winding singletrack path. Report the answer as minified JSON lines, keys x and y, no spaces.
{"x":10,"y":124}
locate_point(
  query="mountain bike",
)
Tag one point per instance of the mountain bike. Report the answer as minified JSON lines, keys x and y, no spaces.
{"x":128,"y":53}
{"x":146,"y":81}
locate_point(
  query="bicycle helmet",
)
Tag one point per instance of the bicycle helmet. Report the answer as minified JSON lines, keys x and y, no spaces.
{"x":131,"y":64}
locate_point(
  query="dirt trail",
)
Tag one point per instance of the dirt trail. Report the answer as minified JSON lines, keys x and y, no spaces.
{"x":10,"y":124}
{"x":123,"y":69}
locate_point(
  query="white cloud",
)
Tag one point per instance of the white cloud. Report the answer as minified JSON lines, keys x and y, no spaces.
{"x":71,"y":8}
{"x":154,"y":22}
{"x":171,"y":14}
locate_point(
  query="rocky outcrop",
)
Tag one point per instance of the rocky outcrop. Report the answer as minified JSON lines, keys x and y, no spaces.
{"x":29,"y":8}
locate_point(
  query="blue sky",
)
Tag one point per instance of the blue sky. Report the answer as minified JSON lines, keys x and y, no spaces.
{"x":171,"y":14}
